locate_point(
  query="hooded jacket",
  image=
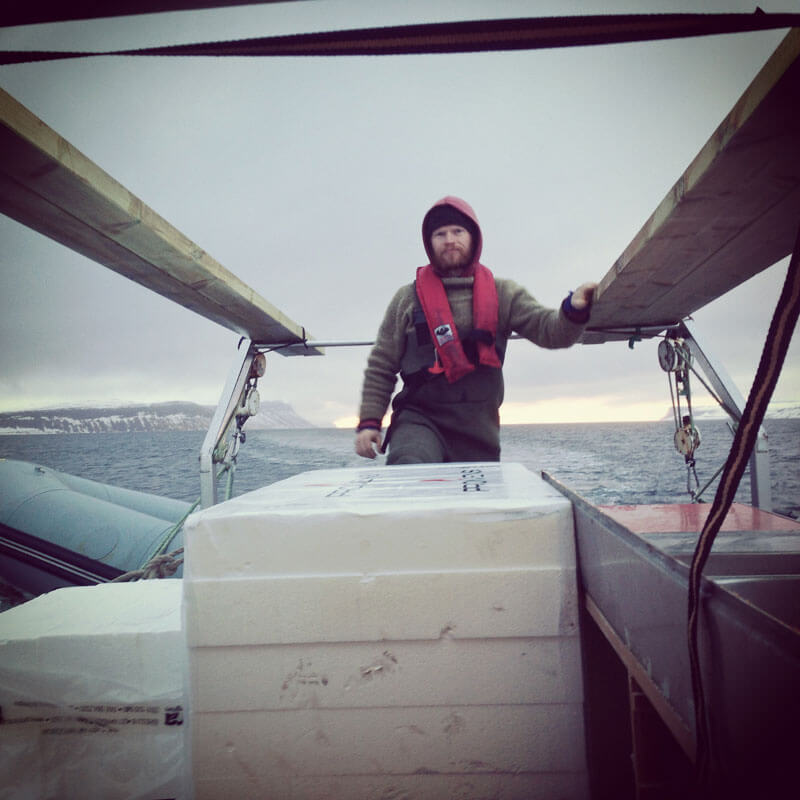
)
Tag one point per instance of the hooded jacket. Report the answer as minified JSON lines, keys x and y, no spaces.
{"x":470,"y":405}
{"x":450,"y":357}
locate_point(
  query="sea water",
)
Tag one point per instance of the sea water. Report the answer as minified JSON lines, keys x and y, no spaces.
{"x":607,"y":463}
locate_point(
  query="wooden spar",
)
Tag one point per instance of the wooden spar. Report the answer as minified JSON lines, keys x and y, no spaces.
{"x":734,"y":212}
{"x":48,"y":185}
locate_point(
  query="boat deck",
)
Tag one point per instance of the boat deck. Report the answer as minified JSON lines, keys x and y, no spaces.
{"x":633,"y":564}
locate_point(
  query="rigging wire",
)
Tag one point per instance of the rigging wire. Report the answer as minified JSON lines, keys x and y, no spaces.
{"x":707,"y":386}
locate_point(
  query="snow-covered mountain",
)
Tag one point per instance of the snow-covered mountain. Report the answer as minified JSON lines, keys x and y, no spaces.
{"x":776,"y":410}
{"x":176,"y":416}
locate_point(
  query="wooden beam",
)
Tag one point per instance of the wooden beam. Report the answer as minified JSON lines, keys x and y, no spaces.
{"x":734,"y":212}
{"x":51,"y":187}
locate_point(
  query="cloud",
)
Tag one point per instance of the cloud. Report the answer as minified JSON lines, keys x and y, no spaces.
{"x":308,"y":179}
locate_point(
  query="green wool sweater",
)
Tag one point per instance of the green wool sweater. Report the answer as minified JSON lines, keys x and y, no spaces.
{"x":518,"y":312}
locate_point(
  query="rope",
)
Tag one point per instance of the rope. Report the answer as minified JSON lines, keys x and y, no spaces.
{"x":784,"y":320}
{"x":165,"y":565}
{"x":709,"y":482}
{"x":173,"y":531}
{"x":675,"y":408}
{"x":457,"y":37}
{"x":691,"y":475}
{"x":681,"y":379}
{"x":161,"y":566}
{"x":708,"y":388}
{"x":230,"y":469}
{"x":691,"y":471}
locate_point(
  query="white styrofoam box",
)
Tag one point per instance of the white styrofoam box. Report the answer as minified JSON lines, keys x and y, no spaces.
{"x":538,"y":786}
{"x":408,"y":605}
{"x":108,"y":643}
{"x":348,"y":675}
{"x":267,"y":745}
{"x":409,"y":627}
{"x":92,"y":690}
{"x":410,"y":517}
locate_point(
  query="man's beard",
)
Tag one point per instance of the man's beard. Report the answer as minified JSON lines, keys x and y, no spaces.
{"x":452,"y":262}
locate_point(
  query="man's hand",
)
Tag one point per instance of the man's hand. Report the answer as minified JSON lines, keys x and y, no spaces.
{"x":365,"y":440}
{"x":583,"y":296}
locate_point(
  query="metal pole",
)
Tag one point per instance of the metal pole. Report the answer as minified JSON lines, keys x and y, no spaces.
{"x":297,"y":347}
{"x":228,"y":403}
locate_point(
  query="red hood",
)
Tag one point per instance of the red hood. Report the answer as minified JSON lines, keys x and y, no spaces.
{"x":464,"y":208}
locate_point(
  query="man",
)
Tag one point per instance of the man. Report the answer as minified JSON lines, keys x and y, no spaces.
{"x":446,"y":335}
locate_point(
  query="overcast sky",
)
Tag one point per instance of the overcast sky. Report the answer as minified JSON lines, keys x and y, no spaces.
{"x":308,"y":179}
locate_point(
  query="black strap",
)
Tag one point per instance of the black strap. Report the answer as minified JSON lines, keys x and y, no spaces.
{"x":784,"y":319}
{"x":473,"y":36}
{"x":421,"y":325}
{"x":478,"y":335}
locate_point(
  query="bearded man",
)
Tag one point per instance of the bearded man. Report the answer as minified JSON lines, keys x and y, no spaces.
{"x":446,"y":335}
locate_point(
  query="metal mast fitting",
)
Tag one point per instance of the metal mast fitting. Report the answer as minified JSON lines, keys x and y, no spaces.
{"x":724,"y":390}
{"x":238,"y":402}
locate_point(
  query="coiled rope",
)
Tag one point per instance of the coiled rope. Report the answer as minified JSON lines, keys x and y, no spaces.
{"x":709,"y":774}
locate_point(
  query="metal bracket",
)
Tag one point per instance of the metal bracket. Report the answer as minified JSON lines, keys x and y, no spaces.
{"x":732,"y":402}
{"x":230,"y":400}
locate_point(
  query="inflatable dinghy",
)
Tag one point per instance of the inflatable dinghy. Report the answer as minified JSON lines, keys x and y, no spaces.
{"x":60,"y":530}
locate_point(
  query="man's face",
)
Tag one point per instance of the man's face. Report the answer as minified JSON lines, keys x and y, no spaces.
{"x":452,"y":249}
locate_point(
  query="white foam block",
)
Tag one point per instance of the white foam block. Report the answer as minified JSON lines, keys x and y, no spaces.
{"x":349,"y":625}
{"x":443,"y":672}
{"x":107,"y":643}
{"x":396,"y":606}
{"x":265,"y":745}
{"x":538,"y":786}
{"x":416,"y":517}
{"x":92,"y":689}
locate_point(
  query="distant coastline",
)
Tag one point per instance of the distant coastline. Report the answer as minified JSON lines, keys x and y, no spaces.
{"x":185,"y":416}
{"x":173,"y":416}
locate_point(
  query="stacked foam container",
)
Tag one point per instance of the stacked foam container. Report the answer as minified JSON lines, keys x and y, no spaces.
{"x":92,"y":694}
{"x":404,"y":631}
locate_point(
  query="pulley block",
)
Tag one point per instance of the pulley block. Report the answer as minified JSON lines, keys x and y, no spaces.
{"x":674,"y":355}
